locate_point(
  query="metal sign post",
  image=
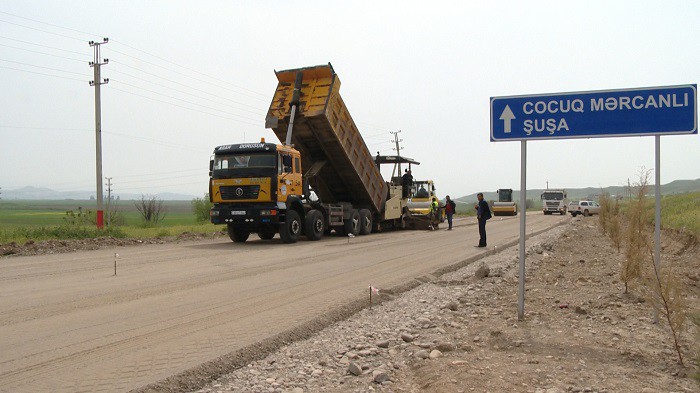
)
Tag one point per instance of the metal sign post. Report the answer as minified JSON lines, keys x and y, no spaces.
{"x":664,"y":110}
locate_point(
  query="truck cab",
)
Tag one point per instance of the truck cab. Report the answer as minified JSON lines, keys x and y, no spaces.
{"x":554,"y":201}
{"x":250,"y":186}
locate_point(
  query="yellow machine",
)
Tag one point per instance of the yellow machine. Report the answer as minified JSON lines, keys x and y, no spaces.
{"x":422,"y":198}
{"x":322,"y":177}
{"x":505,"y":205}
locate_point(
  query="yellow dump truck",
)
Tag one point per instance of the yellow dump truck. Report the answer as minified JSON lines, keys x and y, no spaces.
{"x":321,"y":178}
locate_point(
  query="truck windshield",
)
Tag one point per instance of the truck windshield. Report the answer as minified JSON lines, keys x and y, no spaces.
{"x":505,"y":195}
{"x":244,"y":165}
{"x":557,"y":196}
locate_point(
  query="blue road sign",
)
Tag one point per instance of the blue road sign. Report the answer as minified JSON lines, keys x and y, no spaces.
{"x":666,"y":110}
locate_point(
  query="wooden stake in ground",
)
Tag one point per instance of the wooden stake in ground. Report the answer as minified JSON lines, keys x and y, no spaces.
{"x":115,"y":263}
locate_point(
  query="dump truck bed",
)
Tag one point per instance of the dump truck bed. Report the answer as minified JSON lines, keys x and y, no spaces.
{"x":325,"y":132}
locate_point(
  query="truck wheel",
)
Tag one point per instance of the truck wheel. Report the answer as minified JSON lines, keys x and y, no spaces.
{"x":291,"y":228}
{"x":365,"y":222}
{"x":237,"y":235}
{"x":352,"y":224}
{"x":586,"y":213}
{"x":314,"y":227}
{"x":266,"y":235}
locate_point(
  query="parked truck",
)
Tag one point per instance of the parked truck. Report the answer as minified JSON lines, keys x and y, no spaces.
{"x":321,"y":178}
{"x":554,"y":201}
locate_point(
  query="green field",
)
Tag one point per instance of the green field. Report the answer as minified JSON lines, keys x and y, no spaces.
{"x":681,"y":212}
{"x":40,"y":220}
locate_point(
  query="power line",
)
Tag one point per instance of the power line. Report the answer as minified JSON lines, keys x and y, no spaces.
{"x":46,"y":68}
{"x":188,"y":76}
{"x":192,"y":70}
{"x":172,"y":81}
{"x":48,"y":24}
{"x":126,"y":45}
{"x":44,"y":53}
{"x":184,"y":107}
{"x":43,"y":46}
{"x":180,"y":99}
{"x":43,"y":31}
{"x":40,"y":73}
{"x":259,"y":112}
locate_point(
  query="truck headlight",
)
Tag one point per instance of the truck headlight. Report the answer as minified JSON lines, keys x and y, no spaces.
{"x":213,"y":213}
{"x":270,"y":212}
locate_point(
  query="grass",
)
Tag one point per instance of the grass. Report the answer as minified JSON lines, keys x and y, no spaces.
{"x":681,"y":212}
{"x":21,"y":221}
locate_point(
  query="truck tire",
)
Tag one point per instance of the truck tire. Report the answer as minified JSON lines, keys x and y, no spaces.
{"x":266,"y":235}
{"x":313,"y":225}
{"x":586,"y":213}
{"x":237,"y":235}
{"x":291,"y":228}
{"x":352,"y":224}
{"x":365,"y":222}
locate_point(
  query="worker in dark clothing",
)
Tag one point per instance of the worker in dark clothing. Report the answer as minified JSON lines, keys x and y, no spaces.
{"x":406,"y":183}
{"x":450,"y":210}
{"x":483,"y":213}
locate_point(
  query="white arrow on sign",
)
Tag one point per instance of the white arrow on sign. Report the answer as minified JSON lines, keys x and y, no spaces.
{"x":507,"y":116}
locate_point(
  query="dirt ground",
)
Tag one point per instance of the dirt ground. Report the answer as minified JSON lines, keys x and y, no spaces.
{"x":581,"y":333}
{"x":32,"y":247}
{"x":459,"y":332}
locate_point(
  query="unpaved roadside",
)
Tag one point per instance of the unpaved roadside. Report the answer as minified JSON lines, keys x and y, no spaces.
{"x":460,"y":333}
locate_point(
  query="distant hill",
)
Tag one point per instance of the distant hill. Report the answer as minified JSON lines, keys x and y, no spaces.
{"x":39,"y":193}
{"x":674,"y":187}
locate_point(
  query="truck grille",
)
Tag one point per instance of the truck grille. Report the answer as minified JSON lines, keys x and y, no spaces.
{"x":239,"y":192}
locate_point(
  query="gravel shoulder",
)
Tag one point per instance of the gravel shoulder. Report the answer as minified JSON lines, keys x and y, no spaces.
{"x":459,"y":332}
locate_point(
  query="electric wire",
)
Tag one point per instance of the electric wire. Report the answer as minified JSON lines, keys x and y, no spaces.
{"x":259,"y":112}
{"x":43,"y":31}
{"x":41,"y":73}
{"x":180,"y":99}
{"x":181,"y":106}
{"x":187,"y":76}
{"x":177,"y":83}
{"x":44,"y":53}
{"x":43,"y":46}
{"x":46,"y":68}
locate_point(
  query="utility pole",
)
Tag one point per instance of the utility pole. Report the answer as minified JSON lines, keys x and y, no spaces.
{"x":109,"y":200}
{"x":548,"y":184}
{"x":98,"y":125}
{"x":397,"y":148}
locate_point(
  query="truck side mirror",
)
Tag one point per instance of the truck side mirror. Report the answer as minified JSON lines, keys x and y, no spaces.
{"x":211,"y":165}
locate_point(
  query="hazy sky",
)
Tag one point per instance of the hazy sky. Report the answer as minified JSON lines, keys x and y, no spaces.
{"x":186,"y":76}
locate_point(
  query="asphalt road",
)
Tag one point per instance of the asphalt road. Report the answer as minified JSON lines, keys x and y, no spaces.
{"x":68,"y":324}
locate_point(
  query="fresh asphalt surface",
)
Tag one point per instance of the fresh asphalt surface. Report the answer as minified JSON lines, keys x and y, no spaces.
{"x":67,"y":324}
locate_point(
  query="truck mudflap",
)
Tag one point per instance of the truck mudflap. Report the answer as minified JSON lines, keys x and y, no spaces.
{"x":252,"y":217}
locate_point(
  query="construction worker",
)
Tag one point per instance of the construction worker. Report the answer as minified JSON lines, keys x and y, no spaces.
{"x":450,"y":208}
{"x":406,"y":183}
{"x":434,"y":209}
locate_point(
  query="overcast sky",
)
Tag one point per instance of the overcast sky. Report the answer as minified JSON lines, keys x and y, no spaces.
{"x":186,"y":76}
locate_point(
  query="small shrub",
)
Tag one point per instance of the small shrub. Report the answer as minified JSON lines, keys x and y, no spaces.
{"x":614,"y":226}
{"x":163,"y":233}
{"x":664,"y":290}
{"x":201,"y":208}
{"x":637,"y":233}
{"x":605,"y":211}
{"x":695,"y":318}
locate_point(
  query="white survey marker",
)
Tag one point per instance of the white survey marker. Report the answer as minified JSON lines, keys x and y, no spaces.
{"x":507,"y":116}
